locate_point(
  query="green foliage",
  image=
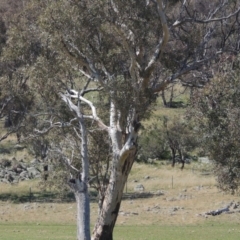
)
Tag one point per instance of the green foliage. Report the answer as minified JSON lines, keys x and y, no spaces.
{"x":153,"y":143}
{"x":155,"y":139}
{"x":215,"y":110}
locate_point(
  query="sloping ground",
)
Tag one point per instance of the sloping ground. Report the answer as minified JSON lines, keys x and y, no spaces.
{"x":170,"y":197}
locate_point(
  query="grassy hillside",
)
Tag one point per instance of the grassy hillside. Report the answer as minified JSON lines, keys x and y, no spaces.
{"x":174,"y":215}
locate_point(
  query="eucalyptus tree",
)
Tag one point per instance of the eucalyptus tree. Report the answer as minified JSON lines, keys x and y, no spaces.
{"x":122,"y":53}
{"x":9,"y":118}
{"x":215,"y":113}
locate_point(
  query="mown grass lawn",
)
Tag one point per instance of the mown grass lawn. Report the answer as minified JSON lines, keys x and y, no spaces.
{"x":200,"y":232}
{"x":210,"y":231}
{"x":36,"y":232}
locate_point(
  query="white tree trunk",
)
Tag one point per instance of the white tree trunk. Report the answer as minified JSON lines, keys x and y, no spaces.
{"x":104,"y":226}
{"x":79,"y":184}
{"x":123,"y":158}
{"x":83,"y":214}
{"x":82,"y":196}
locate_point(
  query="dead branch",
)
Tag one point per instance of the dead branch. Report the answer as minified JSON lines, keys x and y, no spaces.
{"x":232,"y":207}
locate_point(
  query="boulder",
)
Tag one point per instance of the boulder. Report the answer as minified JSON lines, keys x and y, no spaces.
{"x":9,"y":177}
{"x":151,"y":161}
{"x":204,"y":160}
{"x":19,"y":147}
{"x":159,"y":192}
{"x":24,"y":174}
{"x":4,"y":180}
{"x":2,"y":173}
{"x":18,"y":170}
{"x":139,"y":188}
{"x":35,"y":162}
{"x":33,"y":172}
{"x":5,"y":163}
{"x":187,"y":160}
{"x":23,"y":165}
{"x":15,"y":179}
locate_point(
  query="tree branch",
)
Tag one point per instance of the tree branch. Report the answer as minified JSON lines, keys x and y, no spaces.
{"x":131,"y":142}
{"x":90,"y":72}
{"x":126,"y":34}
{"x":73,"y":107}
{"x":162,"y":43}
{"x":195,"y":65}
{"x":67,"y":163}
{"x":209,"y":20}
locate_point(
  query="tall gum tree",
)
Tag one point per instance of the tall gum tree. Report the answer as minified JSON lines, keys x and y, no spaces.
{"x":129,"y":50}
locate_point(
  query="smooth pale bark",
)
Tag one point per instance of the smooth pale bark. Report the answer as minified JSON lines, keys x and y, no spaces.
{"x":83,"y":214}
{"x":82,"y":196}
{"x":123,"y":157}
{"x":79,"y":184}
{"x":104,"y":226}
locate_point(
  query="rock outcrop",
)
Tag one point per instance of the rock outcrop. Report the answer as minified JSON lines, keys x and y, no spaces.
{"x":13,"y":171}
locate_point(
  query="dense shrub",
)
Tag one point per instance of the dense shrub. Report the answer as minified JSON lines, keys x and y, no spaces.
{"x":216,"y":111}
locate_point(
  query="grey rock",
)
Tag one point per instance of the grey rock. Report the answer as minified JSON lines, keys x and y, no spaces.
{"x":33,"y":172}
{"x":150,"y":161}
{"x":9,"y":177}
{"x":19,"y":147}
{"x":15,"y":181}
{"x":187,"y":160}
{"x":139,"y":188}
{"x":5,"y":163}
{"x":2,"y":173}
{"x":23,"y":165}
{"x":171,"y":199}
{"x":18,"y":170}
{"x":134,"y":213}
{"x":175,"y":209}
{"x":50,"y":167}
{"x":204,"y":160}
{"x":35,"y":162}
{"x":4,"y":180}
{"x":24,"y":174}
{"x":12,"y":173}
{"x":159,"y":192}
{"x":23,"y":179}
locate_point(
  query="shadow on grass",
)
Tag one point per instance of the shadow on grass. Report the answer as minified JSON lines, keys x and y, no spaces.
{"x":135,"y":195}
{"x":52,"y":197}
{"x":37,"y":197}
{"x":176,"y":104}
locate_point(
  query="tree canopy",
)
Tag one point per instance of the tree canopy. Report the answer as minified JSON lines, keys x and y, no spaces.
{"x":215,"y":112}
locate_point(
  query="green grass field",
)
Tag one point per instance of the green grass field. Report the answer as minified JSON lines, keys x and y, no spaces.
{"x":211,"y":231}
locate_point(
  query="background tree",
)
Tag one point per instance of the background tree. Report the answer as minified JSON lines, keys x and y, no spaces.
{"x":167,"y":139}
{"x":129,"y":51}
{"x":215,"y":111}
{"x":15,"y":95}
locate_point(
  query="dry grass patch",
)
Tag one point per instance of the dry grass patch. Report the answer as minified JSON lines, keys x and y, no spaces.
{"x":191,"y":195}
{"x":164,"y":177}
{"x":20,"y":188}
